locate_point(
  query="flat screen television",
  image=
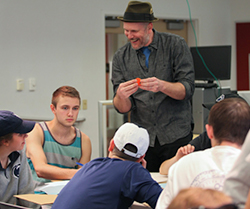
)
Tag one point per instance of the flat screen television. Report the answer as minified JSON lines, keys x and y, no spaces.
{"x":217,"y":59}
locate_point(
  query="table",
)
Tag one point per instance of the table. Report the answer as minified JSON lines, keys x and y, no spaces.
{"x":37,"y":198}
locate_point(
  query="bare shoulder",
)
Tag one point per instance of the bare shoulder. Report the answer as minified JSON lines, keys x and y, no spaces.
{"x":86,"y":143}
{"x":86,"y":148}
{"x":34,"y":141}
{"x":85,"y":137}
{"x":36,"y":134}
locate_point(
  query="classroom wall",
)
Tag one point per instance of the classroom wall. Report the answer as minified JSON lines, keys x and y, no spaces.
{"x":62,"y":42}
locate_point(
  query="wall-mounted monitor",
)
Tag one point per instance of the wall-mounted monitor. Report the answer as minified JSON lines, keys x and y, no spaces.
{"x":217,"y":59}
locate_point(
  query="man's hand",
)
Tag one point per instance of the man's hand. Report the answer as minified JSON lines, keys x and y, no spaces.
{"x":176,"y":90}
{"x":182,"y":151}
{"x":126,"y":89}
{"x":151,"y":84}
{"x":144,"y":163}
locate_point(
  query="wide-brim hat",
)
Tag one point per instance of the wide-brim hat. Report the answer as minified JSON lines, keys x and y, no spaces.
{"x":138,"y":11}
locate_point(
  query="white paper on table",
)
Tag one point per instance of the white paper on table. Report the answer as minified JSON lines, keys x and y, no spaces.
{"x":159,"y":178}
{"x":53,"y":187}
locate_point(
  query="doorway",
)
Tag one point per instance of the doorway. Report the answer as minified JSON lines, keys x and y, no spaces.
{"x":243,"y":55}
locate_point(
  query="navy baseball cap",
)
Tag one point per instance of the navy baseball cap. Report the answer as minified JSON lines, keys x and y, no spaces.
{"x":222,"y":97}
{"x":11,"y":123}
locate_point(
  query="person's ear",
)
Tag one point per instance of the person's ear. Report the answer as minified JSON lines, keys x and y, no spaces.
{"x":6,"y":142}
{"x":52,"y":107}
{"x":210,"y":131}
{"x":210,"y":134}
{"x":111,"y":145}
{"x":150,"y":26}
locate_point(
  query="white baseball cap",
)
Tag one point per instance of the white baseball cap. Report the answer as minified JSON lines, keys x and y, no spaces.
{"x":130,"y":133}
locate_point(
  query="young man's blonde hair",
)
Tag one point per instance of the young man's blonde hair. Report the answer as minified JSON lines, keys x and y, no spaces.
{"x":68,"y":91}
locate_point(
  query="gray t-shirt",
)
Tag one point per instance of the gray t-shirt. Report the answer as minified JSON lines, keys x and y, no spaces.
{"x":16,"y":179}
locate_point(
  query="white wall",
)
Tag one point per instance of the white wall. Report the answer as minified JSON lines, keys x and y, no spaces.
{"x":62,"y":42}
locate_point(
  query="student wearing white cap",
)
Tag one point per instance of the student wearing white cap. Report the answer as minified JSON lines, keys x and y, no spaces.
{"x":15,"y":175}
{"x":116,"y":181}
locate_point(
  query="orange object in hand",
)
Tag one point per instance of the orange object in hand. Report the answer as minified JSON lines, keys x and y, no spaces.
{"x":138,"y":81}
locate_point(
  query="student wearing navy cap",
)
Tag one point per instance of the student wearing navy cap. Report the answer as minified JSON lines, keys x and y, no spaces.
{"x":15,"y":175}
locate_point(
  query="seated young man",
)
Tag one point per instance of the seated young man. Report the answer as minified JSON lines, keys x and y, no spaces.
{"x":54,"y":147}
{"x":228,"y":125}
{"x":15,"y":175}
{"x":115,"y":181}
{"x":237,"y":183}
{"x":201,"y":142}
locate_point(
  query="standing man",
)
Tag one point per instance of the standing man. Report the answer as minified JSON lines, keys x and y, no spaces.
{"x":157,"y":87}
{"x":55,"y":147}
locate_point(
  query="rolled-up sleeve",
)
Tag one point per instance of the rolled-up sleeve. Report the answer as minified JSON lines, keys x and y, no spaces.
{"x":183,"y":67}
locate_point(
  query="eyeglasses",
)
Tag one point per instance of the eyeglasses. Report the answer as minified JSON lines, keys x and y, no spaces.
{"x":227,"y":206}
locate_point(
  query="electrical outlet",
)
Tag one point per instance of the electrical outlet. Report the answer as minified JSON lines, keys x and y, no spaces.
{"x":32,"y":84}
{"x":19,"y":84}
{"x":84,"y":104}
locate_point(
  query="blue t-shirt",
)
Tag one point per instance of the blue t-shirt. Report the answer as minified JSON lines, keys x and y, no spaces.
{"x":109,"y":183}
